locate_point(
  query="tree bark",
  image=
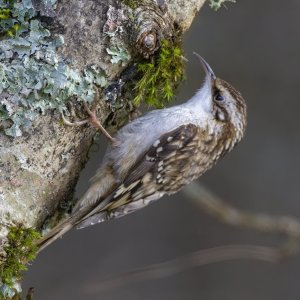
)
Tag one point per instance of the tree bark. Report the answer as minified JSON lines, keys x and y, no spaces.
{"x":40,"y":169}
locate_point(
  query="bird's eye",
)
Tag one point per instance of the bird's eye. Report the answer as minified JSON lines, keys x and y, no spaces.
{"x":219,"y":97}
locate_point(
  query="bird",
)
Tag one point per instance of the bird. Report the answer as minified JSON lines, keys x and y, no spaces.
{"x":159,"y":153}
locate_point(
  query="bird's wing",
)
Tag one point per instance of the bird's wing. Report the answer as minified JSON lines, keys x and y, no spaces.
{"x":159,"y":170}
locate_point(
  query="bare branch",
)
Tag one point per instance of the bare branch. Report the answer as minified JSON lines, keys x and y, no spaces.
{"x":216,"y":207}
{"x":181,"y":264}
{"x":228,"y":214}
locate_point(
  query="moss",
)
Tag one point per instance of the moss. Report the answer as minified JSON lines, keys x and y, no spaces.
{"x":133,"y":4}
{"x":160,"y":77}
{"x":216,"y":4}
{"x":19,"y":251}
{"x":8,"y":24}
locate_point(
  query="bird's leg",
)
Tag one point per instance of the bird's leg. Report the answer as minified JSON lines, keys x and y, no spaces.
{"x":92,"y":119}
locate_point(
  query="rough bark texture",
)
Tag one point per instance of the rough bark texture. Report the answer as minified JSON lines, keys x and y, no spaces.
{"x":40,"y":169}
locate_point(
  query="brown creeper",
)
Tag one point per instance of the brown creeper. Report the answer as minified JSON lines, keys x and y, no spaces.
{"x":160,"y":152}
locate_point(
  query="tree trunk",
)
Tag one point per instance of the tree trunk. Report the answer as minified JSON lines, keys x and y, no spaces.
{"x":41,"y":162}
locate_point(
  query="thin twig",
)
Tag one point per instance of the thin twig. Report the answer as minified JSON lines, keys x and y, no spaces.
{"x":192,"y":260}
{"x":213,"y":205}
{"x":228,"y":214}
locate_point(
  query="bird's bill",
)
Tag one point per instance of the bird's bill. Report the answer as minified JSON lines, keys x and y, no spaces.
{"x":208,"y":70}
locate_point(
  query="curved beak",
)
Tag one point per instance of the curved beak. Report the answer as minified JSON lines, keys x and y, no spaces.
{"x":208,"y":70}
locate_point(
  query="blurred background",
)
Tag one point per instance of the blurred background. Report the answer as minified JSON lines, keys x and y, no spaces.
{"x":254,"y":45}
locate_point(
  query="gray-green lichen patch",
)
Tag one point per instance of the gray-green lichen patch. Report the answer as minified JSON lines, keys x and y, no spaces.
{"x":33,"y":77}
{"x":216,"y":4}
{"x":8,"y":292}
{"x":118,"y":55}
{"x":113,"y":29}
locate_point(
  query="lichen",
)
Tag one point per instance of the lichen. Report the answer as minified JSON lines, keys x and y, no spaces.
{"x":160,"y":76}
{"x":33,"y":77}
{"x":20,"y":250}
{"x":10,"y":293}
{"x":118,"y":55}
{"x":216,"y":4}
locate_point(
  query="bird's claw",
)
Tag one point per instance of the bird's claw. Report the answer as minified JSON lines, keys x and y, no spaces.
{"x":92,"y":119}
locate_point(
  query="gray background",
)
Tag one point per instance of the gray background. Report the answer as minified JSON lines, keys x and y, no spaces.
{"x":255,"y":45}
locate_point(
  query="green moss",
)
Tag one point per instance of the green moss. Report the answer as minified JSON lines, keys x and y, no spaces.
{"x":4,"y":13}
{"x":9,"y":25}
{"x":19,"y":251}
{"x":216,"y":4}
{"x":133,"y":4}
{"x":160,"y":77}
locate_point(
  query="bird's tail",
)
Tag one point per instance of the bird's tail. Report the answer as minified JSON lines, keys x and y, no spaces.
{"x":88,"y":206}
{"x":81,"y":218}
{"x":55,"y":233}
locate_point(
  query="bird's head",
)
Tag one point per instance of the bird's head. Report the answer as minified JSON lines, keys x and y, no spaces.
{"x":223,"y":104}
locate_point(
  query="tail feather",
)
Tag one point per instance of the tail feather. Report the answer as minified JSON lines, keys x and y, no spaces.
{"x":60,"y":229}
{"x":55,"y":233}
{"x":90,"y":204}
{"x":94,"y":219}
{"x":82,"y":217}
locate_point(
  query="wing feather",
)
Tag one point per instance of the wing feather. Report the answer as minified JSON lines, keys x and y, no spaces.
{"x":159,"y":170}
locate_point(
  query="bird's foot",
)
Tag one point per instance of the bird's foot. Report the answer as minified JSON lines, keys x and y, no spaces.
{"x":92,"y":119}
